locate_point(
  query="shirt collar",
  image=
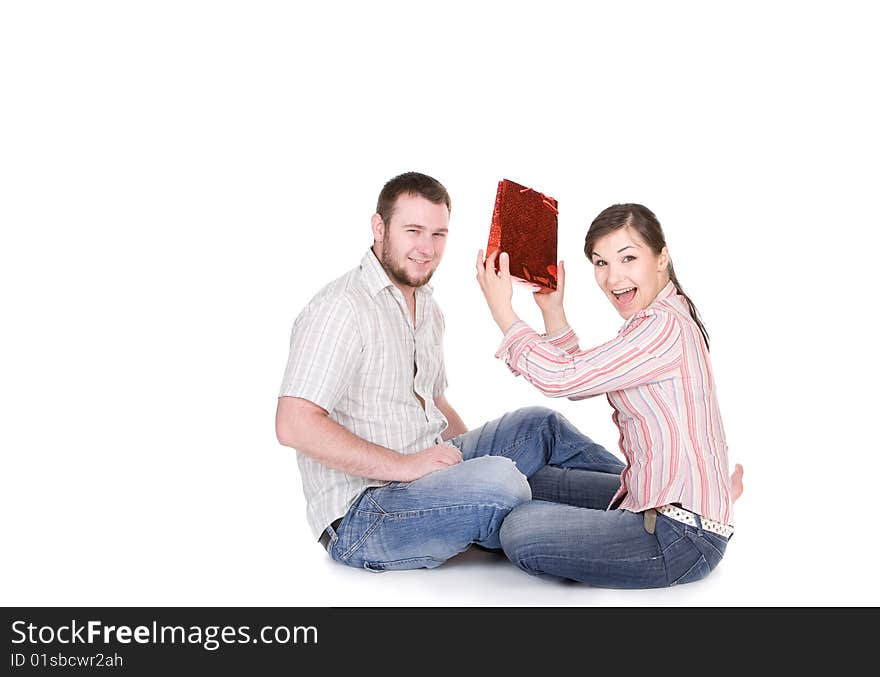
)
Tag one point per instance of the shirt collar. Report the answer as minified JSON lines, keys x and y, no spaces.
{"x":668,"y":290}
{"x":376,"y":279}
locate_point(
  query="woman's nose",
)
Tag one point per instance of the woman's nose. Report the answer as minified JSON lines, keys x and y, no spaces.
{"x":614,"y":275}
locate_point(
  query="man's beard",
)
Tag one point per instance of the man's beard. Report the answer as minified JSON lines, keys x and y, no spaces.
{"x":398,"y":273}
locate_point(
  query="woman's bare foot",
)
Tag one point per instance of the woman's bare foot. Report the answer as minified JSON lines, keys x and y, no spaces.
{"x":736,"y":481}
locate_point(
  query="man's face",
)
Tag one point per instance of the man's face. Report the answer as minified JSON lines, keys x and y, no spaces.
{"x":411,"y":246}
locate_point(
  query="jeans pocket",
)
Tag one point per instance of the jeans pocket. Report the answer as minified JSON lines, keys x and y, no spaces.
{"x":694,"y":557}
{"x":712,"y":546}
{"x":684,"y":560}
{"x":668,"y":532}
{"x":354,"y":533}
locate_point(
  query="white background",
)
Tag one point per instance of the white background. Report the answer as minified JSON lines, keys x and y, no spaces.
{"x":177,"y":179}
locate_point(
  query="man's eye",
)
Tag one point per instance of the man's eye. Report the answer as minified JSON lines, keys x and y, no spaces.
{"x":439,"y":234}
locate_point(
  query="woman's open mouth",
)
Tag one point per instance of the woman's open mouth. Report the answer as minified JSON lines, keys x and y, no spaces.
{"x":624,"y":297}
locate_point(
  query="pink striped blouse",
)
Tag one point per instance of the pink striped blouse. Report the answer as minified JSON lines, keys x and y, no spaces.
{"x":658,"y":380}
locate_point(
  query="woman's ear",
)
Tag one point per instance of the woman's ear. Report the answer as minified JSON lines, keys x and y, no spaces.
{"x":663,"y":261}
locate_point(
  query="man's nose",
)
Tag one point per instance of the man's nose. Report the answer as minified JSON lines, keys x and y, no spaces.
{"x":426,"y":244}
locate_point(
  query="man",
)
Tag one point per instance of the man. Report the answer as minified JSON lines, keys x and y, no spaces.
{"x":391,"y":475}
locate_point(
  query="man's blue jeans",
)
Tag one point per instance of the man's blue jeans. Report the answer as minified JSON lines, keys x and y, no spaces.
{"x":409,"y":525}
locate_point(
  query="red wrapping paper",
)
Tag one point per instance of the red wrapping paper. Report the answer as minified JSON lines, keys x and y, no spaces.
{"x":524,"y":224}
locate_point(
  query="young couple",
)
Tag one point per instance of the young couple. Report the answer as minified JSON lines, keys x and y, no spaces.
{"x":392,"y":477}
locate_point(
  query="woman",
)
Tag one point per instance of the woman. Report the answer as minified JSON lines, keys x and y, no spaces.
{"x":668,"y":521}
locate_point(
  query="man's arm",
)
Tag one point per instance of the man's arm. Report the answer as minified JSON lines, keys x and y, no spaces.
{"x":306,"y":427}
{"x":456,"y":425}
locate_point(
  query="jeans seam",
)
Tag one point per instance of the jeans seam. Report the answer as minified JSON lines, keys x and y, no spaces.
{"x":408,"y":560}
{"x":391,"y":515}
{"x":421,"y":511}
{"x":670,"y":544}
{"x":665,"y":564}
{"x":458,"y":506}
{"x":370,"y":512}
{"x":517,"y":441}
{"x":580,"y":558}
{"x":557,"y":425}
{"x":701,"y":560}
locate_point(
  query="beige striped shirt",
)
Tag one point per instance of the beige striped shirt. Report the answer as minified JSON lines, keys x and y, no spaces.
{"x":355,"y":353}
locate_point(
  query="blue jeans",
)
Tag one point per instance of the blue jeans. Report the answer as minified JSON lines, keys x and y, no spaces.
{"x":409,"y":525}
{"x":606,"y":548}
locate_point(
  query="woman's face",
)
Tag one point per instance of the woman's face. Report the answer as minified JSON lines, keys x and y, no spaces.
{"x":628,"y":271}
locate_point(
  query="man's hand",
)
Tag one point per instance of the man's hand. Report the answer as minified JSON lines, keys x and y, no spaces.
{"x":421,"y":463}
{"x":306,"y":427}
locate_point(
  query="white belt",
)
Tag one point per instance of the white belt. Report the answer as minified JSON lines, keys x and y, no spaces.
{"x":687,"y":517}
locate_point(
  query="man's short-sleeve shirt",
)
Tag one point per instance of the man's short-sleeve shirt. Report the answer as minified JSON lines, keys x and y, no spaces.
{"x":355,"y":353}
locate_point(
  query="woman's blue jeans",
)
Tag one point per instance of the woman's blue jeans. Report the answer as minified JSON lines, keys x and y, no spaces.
{"x":408,"y":525}
{"x":607,"y":548}
{"x":567,"y":532}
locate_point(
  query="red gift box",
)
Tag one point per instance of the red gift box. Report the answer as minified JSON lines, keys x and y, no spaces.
{"x":524,"y":225}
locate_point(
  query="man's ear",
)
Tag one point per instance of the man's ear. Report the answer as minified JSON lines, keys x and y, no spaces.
{"x":378,"y":227}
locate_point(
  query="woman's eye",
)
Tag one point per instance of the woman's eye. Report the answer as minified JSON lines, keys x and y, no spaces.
{"x":627,"y":259}
{"x":599,"y":263}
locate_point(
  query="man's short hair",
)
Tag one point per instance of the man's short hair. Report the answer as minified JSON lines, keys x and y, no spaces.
{"x":411,"y":183}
